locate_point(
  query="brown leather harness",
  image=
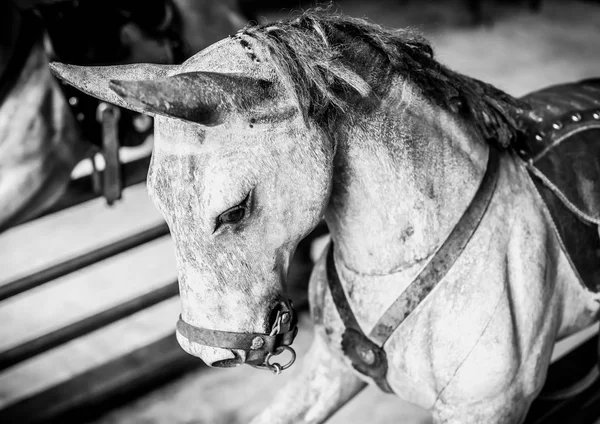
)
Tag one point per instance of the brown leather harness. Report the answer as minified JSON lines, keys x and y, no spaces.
{"x":367,"y":353}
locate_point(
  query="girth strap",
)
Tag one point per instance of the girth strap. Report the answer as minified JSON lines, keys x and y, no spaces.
{"x":366,"y":353}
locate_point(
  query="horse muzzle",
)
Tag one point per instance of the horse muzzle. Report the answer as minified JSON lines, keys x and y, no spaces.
{"x":259,"y":348}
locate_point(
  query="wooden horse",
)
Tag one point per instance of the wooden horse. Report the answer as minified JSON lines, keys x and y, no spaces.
{"x":448,"y":279}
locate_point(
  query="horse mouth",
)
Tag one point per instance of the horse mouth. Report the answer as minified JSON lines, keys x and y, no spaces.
{"x":227,"y":363}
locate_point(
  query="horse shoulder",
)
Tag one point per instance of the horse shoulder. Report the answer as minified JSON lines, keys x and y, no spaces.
{"x":514,"y":304}
{"x":487,"y":330}
{"x":483,"y":338}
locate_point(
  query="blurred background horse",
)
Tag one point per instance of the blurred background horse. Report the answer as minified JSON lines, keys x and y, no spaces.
{"x":45,"y":128}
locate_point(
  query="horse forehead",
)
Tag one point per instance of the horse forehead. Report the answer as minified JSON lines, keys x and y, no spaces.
{"x":239,"y":54}
{"x":180,"y":138}
{"x":185,"y":150}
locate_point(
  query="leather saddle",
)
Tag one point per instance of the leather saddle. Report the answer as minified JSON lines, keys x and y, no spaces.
{"x":562,"y":151}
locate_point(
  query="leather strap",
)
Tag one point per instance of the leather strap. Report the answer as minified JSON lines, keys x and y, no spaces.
{"x":282,"y":333}
{"x":366,"y":357}
{"x":232,"y":340}
{"x":366,"y":353}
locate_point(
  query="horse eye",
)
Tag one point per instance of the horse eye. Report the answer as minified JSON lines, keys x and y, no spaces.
{"x":231,"y":216}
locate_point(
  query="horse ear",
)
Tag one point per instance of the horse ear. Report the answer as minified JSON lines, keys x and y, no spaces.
{"x":94,"y":80}
{"x":206,"y":98}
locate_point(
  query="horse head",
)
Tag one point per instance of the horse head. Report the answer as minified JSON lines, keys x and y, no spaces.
{"x":240,"y":175}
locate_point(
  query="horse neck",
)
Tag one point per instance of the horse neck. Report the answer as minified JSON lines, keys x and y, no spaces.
{"x":403,"y":175}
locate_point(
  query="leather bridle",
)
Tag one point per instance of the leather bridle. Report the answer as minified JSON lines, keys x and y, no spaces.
{"x":259,"y":347}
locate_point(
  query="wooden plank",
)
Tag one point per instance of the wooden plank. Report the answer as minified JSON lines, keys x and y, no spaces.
{"x":84,"y":326}
{"x":105,"y":386}
{"x":86,"y":292}
{"x":42,"y":276}
{"x":54,"y":238}
{"x":81,"y":189}
{"x":84,"y":353}
{"x":566,"y":345}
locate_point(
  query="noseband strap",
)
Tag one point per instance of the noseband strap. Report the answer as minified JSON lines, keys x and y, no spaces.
{"x":231,"y":340}
{"x":261,"y":347}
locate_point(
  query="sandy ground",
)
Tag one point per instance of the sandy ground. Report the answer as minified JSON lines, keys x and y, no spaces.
{"x":520,"y":52}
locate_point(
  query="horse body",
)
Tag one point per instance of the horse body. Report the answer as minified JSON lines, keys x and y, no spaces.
{"x":476,"y":349}
{"x":490,"y":325}
{"x":251,"y":151}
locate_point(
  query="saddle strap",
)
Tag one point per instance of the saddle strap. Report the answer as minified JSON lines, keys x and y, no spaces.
{"x":366,"y":353}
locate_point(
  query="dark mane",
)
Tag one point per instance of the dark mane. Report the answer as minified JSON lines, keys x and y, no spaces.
{"x":336,"y":62}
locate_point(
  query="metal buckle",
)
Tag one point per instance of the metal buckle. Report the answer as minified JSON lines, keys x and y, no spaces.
{"x":276,"y":368}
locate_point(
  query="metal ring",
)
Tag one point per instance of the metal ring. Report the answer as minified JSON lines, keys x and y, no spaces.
{"x":276,"y":367}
